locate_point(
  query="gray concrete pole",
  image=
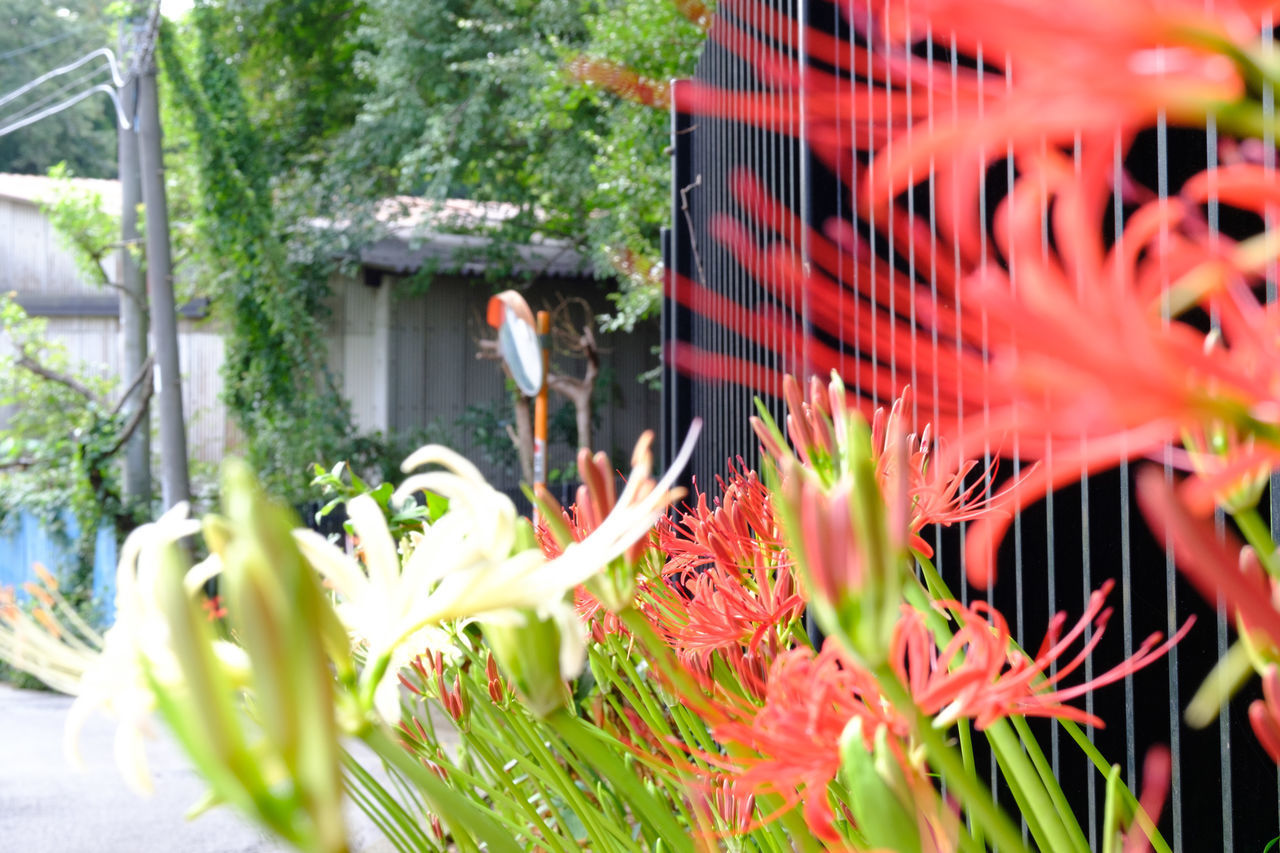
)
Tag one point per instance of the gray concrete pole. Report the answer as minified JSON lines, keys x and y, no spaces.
{"x":175,"y":485}
{"x":133,"y":306}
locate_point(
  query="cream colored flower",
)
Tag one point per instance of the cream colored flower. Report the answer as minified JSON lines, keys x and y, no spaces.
{"x":109,"y":672}
{"x":462,"y":567}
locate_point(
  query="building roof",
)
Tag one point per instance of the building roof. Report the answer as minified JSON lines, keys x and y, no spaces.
{"x":35,"y":189}
{"x":450,"y":234}
{"x":417,"y":232}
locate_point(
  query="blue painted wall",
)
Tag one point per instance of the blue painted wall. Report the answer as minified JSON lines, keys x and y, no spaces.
{"x":24,"y":541}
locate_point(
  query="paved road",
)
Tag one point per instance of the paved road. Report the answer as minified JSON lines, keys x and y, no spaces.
{"x":47,"y":807}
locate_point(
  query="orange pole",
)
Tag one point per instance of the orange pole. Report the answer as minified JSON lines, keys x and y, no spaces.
{"x":540,"y":405}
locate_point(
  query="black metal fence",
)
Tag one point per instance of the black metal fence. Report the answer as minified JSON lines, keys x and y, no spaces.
{"x":1224,"y":789}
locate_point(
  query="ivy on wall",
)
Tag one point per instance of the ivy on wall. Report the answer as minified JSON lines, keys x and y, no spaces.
{"x":271,"y":305}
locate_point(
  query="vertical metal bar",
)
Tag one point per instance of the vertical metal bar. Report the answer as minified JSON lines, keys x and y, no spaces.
{"x":1224,"y":712}
{"x":1086,"y":575}
{"x":676,"y":320}
{"x":1126,"y":554}
{"x":1171,"y":594}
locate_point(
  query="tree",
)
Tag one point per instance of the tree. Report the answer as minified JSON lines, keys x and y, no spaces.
{"x":474,"y":98}
{"x":268,"y":299}
{"x":64,"y":430}
{"x":295,"y":121}
{"x":35,"y":37}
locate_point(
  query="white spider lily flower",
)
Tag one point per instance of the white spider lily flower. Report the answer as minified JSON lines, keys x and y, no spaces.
{"x":462,"y":567}
{"x":109,"y":672}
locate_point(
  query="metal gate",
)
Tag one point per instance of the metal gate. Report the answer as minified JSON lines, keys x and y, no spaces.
{"x":1224,"y":788}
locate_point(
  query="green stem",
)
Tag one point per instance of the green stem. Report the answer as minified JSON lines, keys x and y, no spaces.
{"x":966,"y":758}
{"x":654,"y":815}
{"x":1258,"y":534}
{"x":569,"y":791}
{"x":406,"y":828}
{"x":659,"y":653}
{"x":502,"y":778}
{"x":1111,"y":812}
{"x":465,"y":820}
{"x":1050,"y":782}
{"x":973,"y":795}
{"x":1024,"y":780}
{"x":1140,"y":815}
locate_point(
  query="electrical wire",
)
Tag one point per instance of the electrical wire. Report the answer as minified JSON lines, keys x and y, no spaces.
{"x":109,"y":91}
{"x":146,"y":51}
{"x":57,"y":93}
{"x":28,"y":48}
{"x":66,"y":69}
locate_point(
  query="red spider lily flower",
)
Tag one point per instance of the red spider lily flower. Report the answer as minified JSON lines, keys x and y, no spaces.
{"x":847,"y":539}
{"x":1056,"y":72}
{"x":717,"y":802}
{"x":794,"y":735}
{"x":621,"y":81}
{"x":1209,"y":560}
{"x":1067,"y":354}
{"x":452,"y":697}
{"x":915,"y":471}
{"x":981,"y":676}
{"x":930,"y":480}
{"x":731,"y":585}
{"x":810,"y":424}
{"x":722,"y":609}
{"x":1264,"y":714}
{"x":1231,"y":471}
{"x":1046,"y":75}
{"x":738,"y":529}
{"x":213,"y":608}
{"x":600,"y":621}
{"x":596,"y":498}
{"x":1090,"y":367}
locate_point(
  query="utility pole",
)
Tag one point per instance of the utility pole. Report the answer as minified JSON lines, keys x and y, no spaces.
{"x":175,"y":485}
{"x":133,"y":298}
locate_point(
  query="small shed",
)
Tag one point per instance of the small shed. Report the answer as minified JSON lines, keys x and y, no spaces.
{"x":405,"y":344}
{"x":402,"y":345}
{"x":85,"y":317}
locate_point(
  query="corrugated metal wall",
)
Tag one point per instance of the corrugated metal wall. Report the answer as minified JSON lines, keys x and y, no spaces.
{"x":24,"y":542}
{"x":33,"y":263}
{"x":408,"y":362}
{"x":31,"y":259}
{"x":93,"y":342}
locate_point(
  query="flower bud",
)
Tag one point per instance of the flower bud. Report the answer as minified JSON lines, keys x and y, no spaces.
{"x":528,"y":654}
{"x":841,"y":538}
{"x":289,"y":631}
{"x":879,"y":796}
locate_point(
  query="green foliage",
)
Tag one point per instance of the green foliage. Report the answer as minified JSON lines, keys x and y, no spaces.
{"x":289,"y":122}
{"x":58,"y":448}
{"x":37,"y":36}
{"x":272,"y":305}
{"x":487,"y":426}
{"x":340,"y":484}
{"x":83,"y":226}
{"x":471,"y":99}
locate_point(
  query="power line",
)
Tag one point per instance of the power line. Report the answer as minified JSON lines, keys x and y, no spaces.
{"x":19,"y":51}
{"x":57,"y":93}
{"x":66,"y":69}
{"x":147,"y":42}
{"x":109,"y":91}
